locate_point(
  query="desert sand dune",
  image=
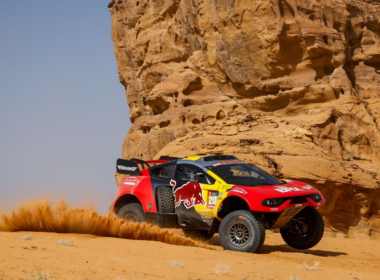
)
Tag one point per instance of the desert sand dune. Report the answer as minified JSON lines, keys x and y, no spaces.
{"x":92,"y":257}
{"x":29,"y":247}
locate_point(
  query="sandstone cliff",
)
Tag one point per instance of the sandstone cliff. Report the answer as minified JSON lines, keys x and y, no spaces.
{"x":290,"y":85}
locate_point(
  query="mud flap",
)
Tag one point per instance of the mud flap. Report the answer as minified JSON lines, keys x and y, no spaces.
{"x":286,"y":216}
{"x":214,"y":226}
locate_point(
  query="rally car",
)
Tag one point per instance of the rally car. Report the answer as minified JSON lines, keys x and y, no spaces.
{"x":204,"y":195}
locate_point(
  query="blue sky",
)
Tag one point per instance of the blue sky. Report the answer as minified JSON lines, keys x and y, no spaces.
{"x":63,"y":112}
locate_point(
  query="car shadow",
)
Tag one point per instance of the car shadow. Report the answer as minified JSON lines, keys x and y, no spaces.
{"x":268,"y":249}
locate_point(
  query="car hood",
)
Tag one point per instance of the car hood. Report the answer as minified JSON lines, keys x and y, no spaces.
{"x":292,"y":188}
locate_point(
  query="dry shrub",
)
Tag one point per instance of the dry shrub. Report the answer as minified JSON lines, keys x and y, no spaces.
{"x":176,"y":263}
{"x":305,"y":267}
{"x":66,"y":242}
{"x":114,"y":260}
{"x":221,"y":269}
{"x":28,"y":237}
{"x":39,"y":275}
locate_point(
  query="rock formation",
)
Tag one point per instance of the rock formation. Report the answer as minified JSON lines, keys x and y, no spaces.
{"x":290,"y":85}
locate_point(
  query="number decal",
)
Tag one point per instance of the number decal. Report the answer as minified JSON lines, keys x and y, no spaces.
{"x":212,"y":198}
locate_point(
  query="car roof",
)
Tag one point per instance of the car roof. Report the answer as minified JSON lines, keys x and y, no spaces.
{"x":201,"y":161}
{"x":208,"y":160}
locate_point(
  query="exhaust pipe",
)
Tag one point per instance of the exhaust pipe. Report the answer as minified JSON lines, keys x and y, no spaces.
{"x":185,"y":223}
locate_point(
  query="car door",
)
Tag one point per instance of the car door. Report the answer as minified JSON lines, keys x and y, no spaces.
{"x":195,"y":193}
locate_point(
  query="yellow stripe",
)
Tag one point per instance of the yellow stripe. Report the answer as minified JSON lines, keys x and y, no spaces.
{"x":194,"y":158}
{"x":213,"y":175}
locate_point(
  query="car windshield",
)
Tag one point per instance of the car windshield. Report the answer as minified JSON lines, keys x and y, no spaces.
{"x":244,"y":175}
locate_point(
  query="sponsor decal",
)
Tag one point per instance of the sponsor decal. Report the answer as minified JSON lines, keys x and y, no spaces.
{"x":289,"y":181}
{"x":273,"y":209}
{"x":227,"y":162}
{"x":307,"y":187}
{"x":190,"y":193}
{"x":319,"y":203}
{"x":131,"y":181}
{"x":127,"y":168}
{"x":283,"y":189}
{"x":204,"y":213}
{"x":242,"y":218}
{"x":211,"y":199}
{"x":239,"y":190}
{"x":298,"y":205}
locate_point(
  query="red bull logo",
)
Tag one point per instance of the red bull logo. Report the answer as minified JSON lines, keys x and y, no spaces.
{"x":190,"y":193}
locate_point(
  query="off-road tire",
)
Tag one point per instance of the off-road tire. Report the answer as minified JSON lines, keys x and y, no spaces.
{"x":198,"y":234}
{"x":254,"y":232}
{"x":165,"y":199}
{"x":132,"y":212}
{"x":316,"y":228}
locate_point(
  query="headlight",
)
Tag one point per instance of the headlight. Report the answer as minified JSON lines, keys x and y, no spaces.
{"x":272,"y":202}
{"x":316,"y":197}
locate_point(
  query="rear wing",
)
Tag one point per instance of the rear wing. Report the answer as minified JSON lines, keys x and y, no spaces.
{"x":127,"y":167}
{"x":130,"y":167}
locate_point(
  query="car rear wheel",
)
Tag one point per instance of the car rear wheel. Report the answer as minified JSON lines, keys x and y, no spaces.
{"x":198,"y":234}
{"x":240,"y":231}
{"x":165,"y":199}
{"x":308,"y":228}
{"x":132,"y":213}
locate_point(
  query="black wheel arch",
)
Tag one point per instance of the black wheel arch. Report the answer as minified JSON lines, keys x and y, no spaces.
{"x":231,"y":204}
{"x":124,"y":200}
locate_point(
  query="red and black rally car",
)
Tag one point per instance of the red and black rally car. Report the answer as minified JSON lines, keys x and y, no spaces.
{"x":204,"y":195}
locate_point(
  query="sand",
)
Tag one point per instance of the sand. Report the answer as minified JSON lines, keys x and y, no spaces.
{"x":94,"y":257}
{"x":42,"y":240}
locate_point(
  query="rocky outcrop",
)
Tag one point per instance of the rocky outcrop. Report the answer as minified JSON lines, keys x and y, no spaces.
{"x":294,"y":84}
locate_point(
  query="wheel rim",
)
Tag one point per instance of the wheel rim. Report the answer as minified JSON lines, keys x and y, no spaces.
{"x":239,"y":234}
{"x":302,"y":226}
{"x":130,"y":218}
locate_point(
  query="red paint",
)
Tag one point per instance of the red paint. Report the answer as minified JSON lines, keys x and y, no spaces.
{"x":142,"y":190}
{"x":145,"y":172}
{"x":157,"y":161}
{"x":253,"y":196}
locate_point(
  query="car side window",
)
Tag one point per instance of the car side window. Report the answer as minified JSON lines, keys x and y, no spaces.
{"x":185,"y":172}
{"x":165,"y":171}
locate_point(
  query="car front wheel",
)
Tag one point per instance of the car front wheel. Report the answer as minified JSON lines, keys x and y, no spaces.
{"x":240,"y":231}
{"x":308,"y":228}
